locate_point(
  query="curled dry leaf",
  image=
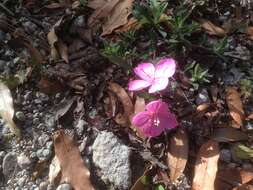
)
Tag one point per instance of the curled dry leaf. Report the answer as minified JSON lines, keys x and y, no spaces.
{"x":7,"y":109}
{"x":235,"y":105}
{"x":178,"y":154}
{"x":139,"y":106}
{"x":50,"y":87}
{"x":206,"y":166}
{"x":58,"y":47}
{"x":54,"y":171}
{"x":211,"y":28}
{"x":244,"y":187}
{"x":249,"y":32}
{"x":125,"y":101}
{"x":231,"y":177}
{"x":228,"y":134}
{"x":114,"y":14}
{"x":72,"y":166}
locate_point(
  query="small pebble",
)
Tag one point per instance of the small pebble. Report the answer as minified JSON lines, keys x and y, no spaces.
{"x":64,"y":186}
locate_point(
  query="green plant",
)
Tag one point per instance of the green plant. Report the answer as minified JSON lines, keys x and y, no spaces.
{"x":119,"y":54}
{"x":246,"y":87}
{"x":83,"y":3}
{"x":198,"y":75}
{"x":150,"y":14}
{"x":180,"y":28}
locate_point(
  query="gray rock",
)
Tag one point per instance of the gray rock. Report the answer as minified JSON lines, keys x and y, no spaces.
{"x":225,"y":155}
{"x":2,"y":155}
{"x":113,"y":158}
{"x":202,"y":97}
{"x":80,"y":127}
{"x":29,"y":27}
{"x":9,"y":164}
{"x":43,"y":185}
{"x":44,"y":154}
{"x":80,"y":21}
{"x":43,"y":139}
{"x":64,"y":186}
{"x":2,"y":36}
{"x":23,"y":161}
{"x":2,"y":65}
{"x":20,"y":115}
{"x":21,"y":181}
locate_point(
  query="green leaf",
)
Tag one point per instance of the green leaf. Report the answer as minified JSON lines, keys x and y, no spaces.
{"x":243,"y":152}
{"x":145,"y":180}
{"x":159,"y":187}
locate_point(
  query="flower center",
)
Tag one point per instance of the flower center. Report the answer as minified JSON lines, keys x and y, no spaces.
{"x":155,"y":119}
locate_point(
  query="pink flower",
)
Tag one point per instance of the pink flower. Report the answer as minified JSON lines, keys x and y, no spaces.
{"x":155,"y":119}
{"x":155,"y":77}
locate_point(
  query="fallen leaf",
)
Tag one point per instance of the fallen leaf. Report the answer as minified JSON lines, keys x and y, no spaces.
{"x":243,"y":152}
{"x":63,"y":108}
{"x":231,"y":177}
{"x":250,"y":117}
{"x":249,"y":32}
{"x":206,"y":166}
{"x":119,"y":16}
{"x":139,"y":105}
{"x":114,"y":14}
{"x":72,"y":166}
{"x":211,"y":28}
{"x":132,"y":24}
{"x":228,"y":134}
{"x":54,"y":171}
{"x":50,"y":87}
{"x":7,"y":109}
{"x":58,"y":47}
{"x":235,"y":105}
{"x":39,"y":169}
{"x":244,"y":187}
{"x":178,"y":154}
{"x":124,"y":99}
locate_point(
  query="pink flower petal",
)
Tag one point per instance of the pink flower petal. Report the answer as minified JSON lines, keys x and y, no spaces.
{"x":141,"y":119}
{"x":165,"y":68}
{"x":167,"y":121}
{"x":152,"y":131}
{"x":158,"y":84}
{"x":138,"y":85}
{"x":157,"y":106}
{"x":145,"y":71}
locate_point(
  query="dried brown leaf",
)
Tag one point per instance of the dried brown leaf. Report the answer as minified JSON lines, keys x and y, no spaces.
{"x":206,"y":166}
{"x":229,"y":178}
{"x":54,"y":171}
{"x":124,"y":99}
{"x":72,"y":166}
{"x":113,"y":13}
{"x":250,"y":117}
{"x":58,"y":47}
{"x":50,"y":87}
{"x":229,"y":134}
{"x":178,"y":154}
{"x":244,"y":187}
{"x":235,"y":105}
{"x":249,"y":32}
{"x":119,"y":16}
{"x":139,"y":105}
{"x":211,"y":28}
{"x":7,"y":109}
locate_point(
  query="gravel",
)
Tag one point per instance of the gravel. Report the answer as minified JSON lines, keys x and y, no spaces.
{"x":113,"y":158}
{"x":9,"y":164}
{"x":64,"y":186}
